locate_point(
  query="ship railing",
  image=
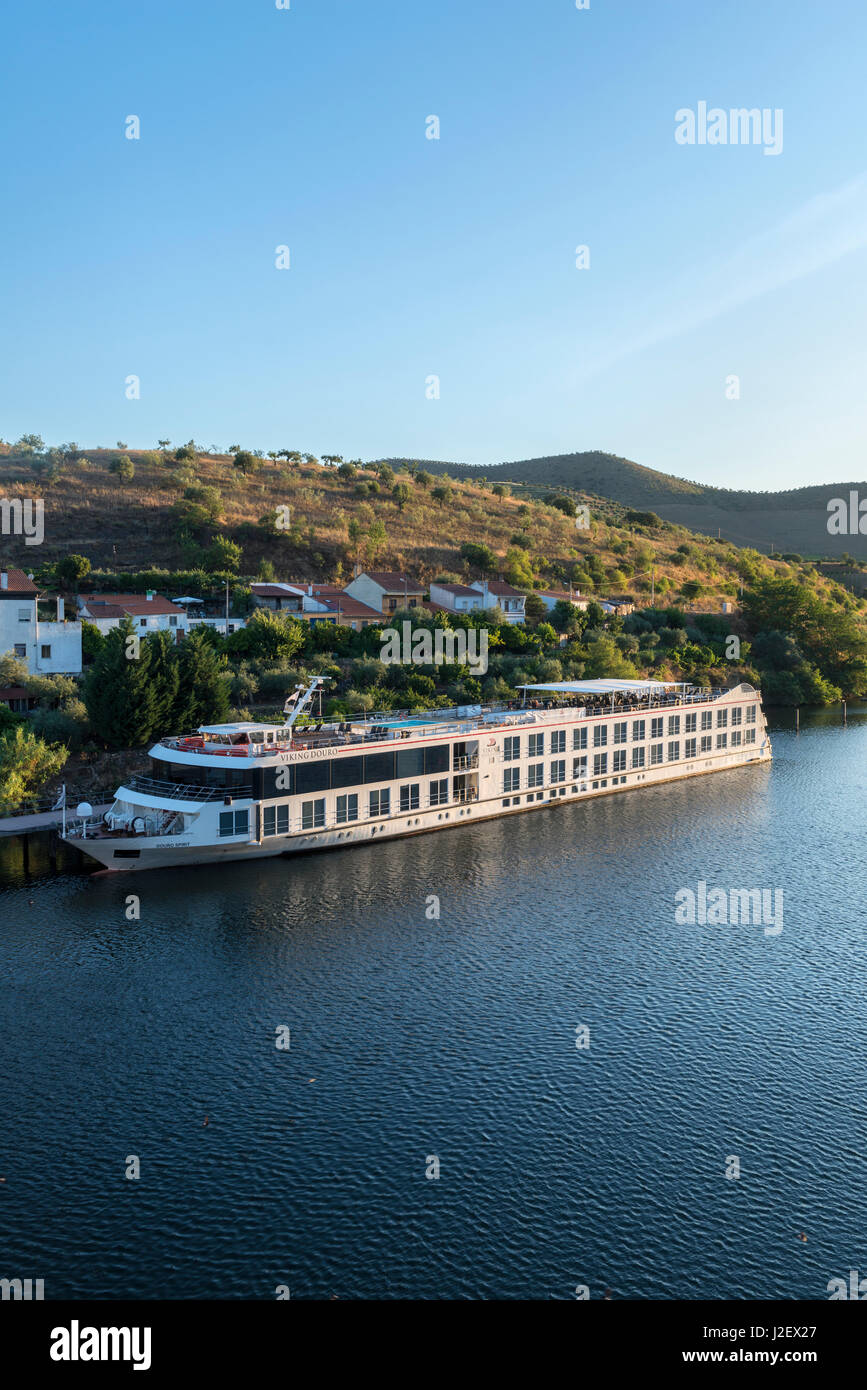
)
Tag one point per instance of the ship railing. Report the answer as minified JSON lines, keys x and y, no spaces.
{"x":461,"y":764}
{"x":182,"y":791}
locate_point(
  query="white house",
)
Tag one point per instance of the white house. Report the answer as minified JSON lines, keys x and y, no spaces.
{"x":386,"y":591}
{"x":551,"y":597}
{"x":50,"y":649}
{"x":149,"y":612}
{"x":496,"y":593}
{"x":457,"y":598}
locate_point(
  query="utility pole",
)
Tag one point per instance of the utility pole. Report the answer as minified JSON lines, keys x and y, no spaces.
{"x":652,"y":585}
{"x":226,"y":629}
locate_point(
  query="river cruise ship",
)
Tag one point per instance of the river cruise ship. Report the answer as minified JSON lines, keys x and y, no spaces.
{"x":247,"y":790}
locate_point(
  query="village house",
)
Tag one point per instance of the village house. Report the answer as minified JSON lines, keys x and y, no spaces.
{"x":316,"y":604}
{"x":148,"y":612}
{"x":496,"y":593}
{"x":48,"y":648}
{"x":551,"y":597}
{"x":385,"y":591}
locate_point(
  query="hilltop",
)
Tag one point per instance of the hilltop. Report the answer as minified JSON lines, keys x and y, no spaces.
{"x":794,"y":520}
{"x":133,"y":510}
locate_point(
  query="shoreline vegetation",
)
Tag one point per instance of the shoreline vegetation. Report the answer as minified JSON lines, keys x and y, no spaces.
{"x":189,"y":521}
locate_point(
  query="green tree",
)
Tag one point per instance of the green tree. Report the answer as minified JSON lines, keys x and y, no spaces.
{"x":400,"y":493}
{"x":223,"y":556}
{"x":26,"y":763}
{"x":71,"y":569}
{"x":119,"y":692}
{"x":534,"y":608}
{"x":268,"y":635}
{"x":165,"y":676}
{"x":124,"y":467}
{"x":203,"y":697}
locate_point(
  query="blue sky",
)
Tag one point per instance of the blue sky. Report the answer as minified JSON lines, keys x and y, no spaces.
{"x":453,"y":257}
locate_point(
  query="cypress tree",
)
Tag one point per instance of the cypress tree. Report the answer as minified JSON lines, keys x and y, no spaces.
{"x":203,"y":697}
{"x":165,"y":676}
{"x":119,"y":691}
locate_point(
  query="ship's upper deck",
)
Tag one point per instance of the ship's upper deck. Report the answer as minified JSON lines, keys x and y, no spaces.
{"x":539,"y":704}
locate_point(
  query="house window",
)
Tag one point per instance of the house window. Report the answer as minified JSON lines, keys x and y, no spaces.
{"x":674,"y":724}
{"x":511,"y":779}
{"x":579,"y":738}
{"x":511,"y":749}
{"x":142,"y":622}
{"x":656,"y":728}
{"x":537,"y":745}
{"x":409,"y":797}
{"x":558,"y":741}
{"x":347,"y":808}
{"x":655,"y":753}
{"x":638,"y":730}
{"x":173,"y":620}
{"x":558,"y":770}
{"x":536,"y":775}
{"x":600,"y":736}
{"x":674,"y":752}
{"x":689,"y":724}
{"x":706,"y":719}
{"x":600,"y":764}
{"x":380,"y":803}
{"x":234,"y":823}
{"x":45,"y":653}
{"x":20,"y":649}
{"x":619,"y":764}
{"x":638,"y":757}
{"x":620,"y":732}
{"x":690,"y":748}
{"x":439,"y":792}
{"x":24,"y":615}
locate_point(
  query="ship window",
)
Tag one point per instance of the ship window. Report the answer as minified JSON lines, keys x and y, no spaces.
{"x":437,"y":758}
{"x":600,"y":736}
{"x":410,"y":762}
{"x":655,"y":752}
{"x":737,"y":716}
{"x":674,"y":723}
{"x":379,"y":767}
{"x":511,"y":779}
{"x":511,"y":749}
{"x":439,"y":792}
{"x":380,"y":803}
{"x":313,"y":814}
{"x":656,"y":728}
{"x":347,"y":808}
{"x":690,"y":748}
{"x":689,"y":723}
{"x":737,"y":736}
{"x":751,"y":714}
{"x":619,"y":764}
{"x":558,"y":770}
{"x":750,"y":736}
{"x":600,"y":763}
{"x":537,"y":744}
{"x":347,"y":772}
{"x":638,"y":757}
{"x":558,"y":741}
{"x":722,"y":718}
{"x":409,"y":797}
{"x":269,"y":825}
{"x":579,"y":767}
{"x":706,"y":743}
{"x":536,"y":775}
{"x":579,"y":738}
{"x":312,"y":777}
{"x":234,"y":823}
{"x":721,"y":740}
{"x":638,"y":730}
{"x":620,"y":732}
{"x":706,"y":718}
{"x":674,"y":752}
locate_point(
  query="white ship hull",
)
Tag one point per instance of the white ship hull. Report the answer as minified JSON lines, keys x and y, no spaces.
{"x":120,"y":854}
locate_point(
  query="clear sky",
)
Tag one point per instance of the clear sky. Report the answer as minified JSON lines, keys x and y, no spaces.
{"x":410,"y":257}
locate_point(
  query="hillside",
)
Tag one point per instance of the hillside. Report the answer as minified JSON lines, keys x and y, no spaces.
{"x":794,"y":520}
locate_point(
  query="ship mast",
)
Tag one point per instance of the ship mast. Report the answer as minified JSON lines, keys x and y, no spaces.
{"x":297,"y":703}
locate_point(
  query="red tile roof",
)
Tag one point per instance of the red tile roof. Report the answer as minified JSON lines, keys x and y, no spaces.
{"x":134,"y":605}
{"x":17,"y":583}
{"x":392,"y":582}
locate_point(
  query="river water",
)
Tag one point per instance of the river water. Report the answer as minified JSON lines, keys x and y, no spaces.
{"x":417,"y":1043}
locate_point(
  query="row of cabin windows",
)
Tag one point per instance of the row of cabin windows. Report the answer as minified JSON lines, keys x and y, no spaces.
{"x":351,"y":805}
{"x":332,"y":774}
{"x":659,"y":726}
